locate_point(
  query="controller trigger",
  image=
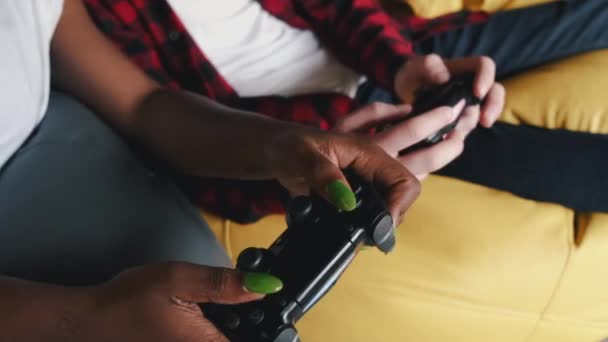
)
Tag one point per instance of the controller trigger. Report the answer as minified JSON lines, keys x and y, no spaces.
{"x":384,"y":234}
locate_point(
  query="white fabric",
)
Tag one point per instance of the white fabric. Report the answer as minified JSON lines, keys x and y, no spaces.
{"x":26,"y":29}
{"x":259,"y":54}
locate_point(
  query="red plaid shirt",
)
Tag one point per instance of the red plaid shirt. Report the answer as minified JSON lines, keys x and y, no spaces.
{"x":358,"y":32}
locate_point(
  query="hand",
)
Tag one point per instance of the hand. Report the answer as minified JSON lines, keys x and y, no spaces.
{"x":422,"y":72}
{"x":160,"y":303}
{"x":304,"y":159}
{"x":150,"y":303}
{"x":409,"y":132}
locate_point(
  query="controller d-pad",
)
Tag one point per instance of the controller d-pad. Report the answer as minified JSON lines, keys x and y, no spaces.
{"x":232,"y":322}
{"x":255,"y":317}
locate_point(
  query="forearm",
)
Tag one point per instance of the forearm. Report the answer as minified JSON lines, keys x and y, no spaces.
{"x":199,"y":136}
{"x":205,"y":138}
{"x":37,"y":312}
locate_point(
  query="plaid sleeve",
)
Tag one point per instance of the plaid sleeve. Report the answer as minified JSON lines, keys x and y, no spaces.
{"x":358,"y":32}
{"x":362,"y":35}
{"x":118,"y":20}
{"x":141,"y":29}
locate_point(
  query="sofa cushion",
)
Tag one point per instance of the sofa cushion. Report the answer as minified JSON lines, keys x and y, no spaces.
{"x":474,"y":263}
{"x":430,"y":9}
{"x":570,"y":94}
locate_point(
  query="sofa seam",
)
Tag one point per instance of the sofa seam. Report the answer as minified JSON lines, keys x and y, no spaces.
{"x":569,"y":242}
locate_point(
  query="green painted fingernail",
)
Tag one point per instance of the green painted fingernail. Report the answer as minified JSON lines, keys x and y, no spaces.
{"x":262,"y":283}
{"x":341,"y":196}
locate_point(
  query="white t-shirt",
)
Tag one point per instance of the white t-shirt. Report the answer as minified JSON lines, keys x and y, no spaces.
{"x":259,"y":54}
{"x":26,"y":29}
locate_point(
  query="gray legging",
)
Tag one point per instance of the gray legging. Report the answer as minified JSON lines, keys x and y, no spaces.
{"x":78,"y":206}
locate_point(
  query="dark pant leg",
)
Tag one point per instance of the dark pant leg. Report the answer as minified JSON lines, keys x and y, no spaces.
{"x":78,"y":206}
{"x":527,"y":37}
{"x":545,"y":165}
{"x":558,"y":166}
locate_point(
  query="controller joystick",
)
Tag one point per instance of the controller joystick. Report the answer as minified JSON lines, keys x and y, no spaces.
{"x":251,"y":260}
{"x":299,"y":210}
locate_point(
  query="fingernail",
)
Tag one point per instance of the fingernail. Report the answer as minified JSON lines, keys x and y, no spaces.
{"x":262,"y":283}
{"x":457,"y":109}
{"x":341,"y":196}
{"x":364,"y":248}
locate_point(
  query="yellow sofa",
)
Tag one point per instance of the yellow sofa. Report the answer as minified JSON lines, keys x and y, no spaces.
{"x":476,"y":264}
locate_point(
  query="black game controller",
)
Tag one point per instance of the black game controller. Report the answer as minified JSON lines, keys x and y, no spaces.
{"x":310,"y":256}
{"x":449,"y":94}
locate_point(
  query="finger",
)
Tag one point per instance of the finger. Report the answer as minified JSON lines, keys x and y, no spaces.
{"x":421,"y":72}
{"x":483,"y":67}
{"x":402,"y":189}
{"x":422,"y":177}
{"x":328,"y":181}
{"x":434,"y":71}
{"x":369,"y":162}
{"x":399,"y":185}
{"x":201,"y":284}
{"x":417,"y":128}
{"x":434,"y":158}
{"x":372,"y":115}
{"x":493,"y":106}
{"x":469,"y":120}
{"x":205,"y":331}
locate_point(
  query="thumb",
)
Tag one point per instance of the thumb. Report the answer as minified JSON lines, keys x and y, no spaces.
{"x":201,"y":284}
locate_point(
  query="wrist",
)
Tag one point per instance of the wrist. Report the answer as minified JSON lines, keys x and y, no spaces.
{"x":287,"y":147}
{"x":39,"y":312}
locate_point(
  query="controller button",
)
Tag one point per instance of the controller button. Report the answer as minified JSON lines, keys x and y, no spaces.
{"x":233,"y":321}
{"x":256,"y":317}
{"x":299,"y":210}
{"x":251,"y":259}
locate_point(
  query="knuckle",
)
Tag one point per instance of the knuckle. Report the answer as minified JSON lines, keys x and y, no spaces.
{"x":431,"y":60}
{"x":218,"y":281}
{"x":378,"y":108}
{"x":487,"y":62}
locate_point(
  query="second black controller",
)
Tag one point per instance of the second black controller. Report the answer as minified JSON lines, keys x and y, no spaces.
{"x":318,"y":245}
{"x":450,"y":94}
